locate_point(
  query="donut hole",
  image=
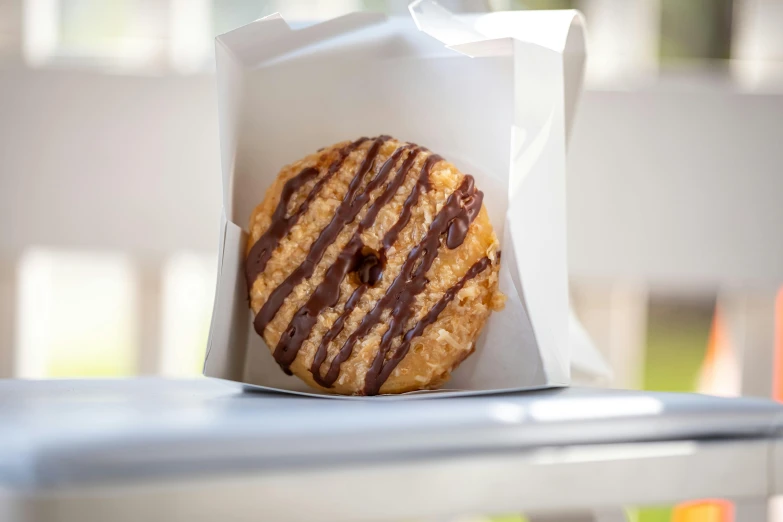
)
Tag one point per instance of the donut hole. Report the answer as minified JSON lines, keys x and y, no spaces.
{"x":369,"y":265}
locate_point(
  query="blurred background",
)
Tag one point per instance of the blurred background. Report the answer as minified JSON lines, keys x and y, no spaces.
{"x":110,"y":191}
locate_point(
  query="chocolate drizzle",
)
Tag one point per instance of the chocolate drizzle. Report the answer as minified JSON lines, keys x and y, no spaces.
{"x":345,"y":213}
{"x":450,"y":227}
{"x":368,"y":221}
{"x":409,"y":283}
{"x":281,"y":225}
{"x":470,"y":203}
{"x":376,"y":377}
{"x":327,"y":293}
{"x":410,"y":202}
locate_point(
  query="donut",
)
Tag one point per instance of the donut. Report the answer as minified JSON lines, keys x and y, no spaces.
{"x":372,"y":267}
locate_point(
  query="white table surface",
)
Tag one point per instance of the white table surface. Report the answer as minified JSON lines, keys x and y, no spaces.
{"x":156,"y":449}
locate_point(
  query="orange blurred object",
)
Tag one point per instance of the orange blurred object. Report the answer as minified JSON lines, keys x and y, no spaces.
{"x":717,"y":377}
{"x":710,"y":510}
{"x":719,"y":374}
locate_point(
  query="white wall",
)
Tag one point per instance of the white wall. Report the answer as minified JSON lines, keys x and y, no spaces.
{"x":97,"y":160}
{"x":678,"y":186}
{"x":670,"y":184}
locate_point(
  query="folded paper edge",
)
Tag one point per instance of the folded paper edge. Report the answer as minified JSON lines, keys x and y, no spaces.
{"x":221,"y":254}
{"x":439,"y":23}
{"x":418,"y":395}
{"x":287,"y":40}
{"x":231,"y":55}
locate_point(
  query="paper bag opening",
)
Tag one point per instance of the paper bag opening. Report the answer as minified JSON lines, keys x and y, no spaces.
{"x":493,"y":105}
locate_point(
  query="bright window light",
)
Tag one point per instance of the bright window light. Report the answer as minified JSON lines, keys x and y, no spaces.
{"x":188,"y":294}
{"x":115,"y":35}
{"x":613,"y":452}
{"x":191,"y":43}
{"x":314,"y":10}
{"x":76,"y":315}
{"x":41,"y":30}
{"x":553,"y":410}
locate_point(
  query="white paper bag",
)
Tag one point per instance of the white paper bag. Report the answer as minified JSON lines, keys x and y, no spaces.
{"x":493,"y":94}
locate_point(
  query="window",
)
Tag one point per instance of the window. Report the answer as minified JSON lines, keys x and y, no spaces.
{"x":188,"y":293}
{"x":117,"y":35}
{"x":76,"y":315}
